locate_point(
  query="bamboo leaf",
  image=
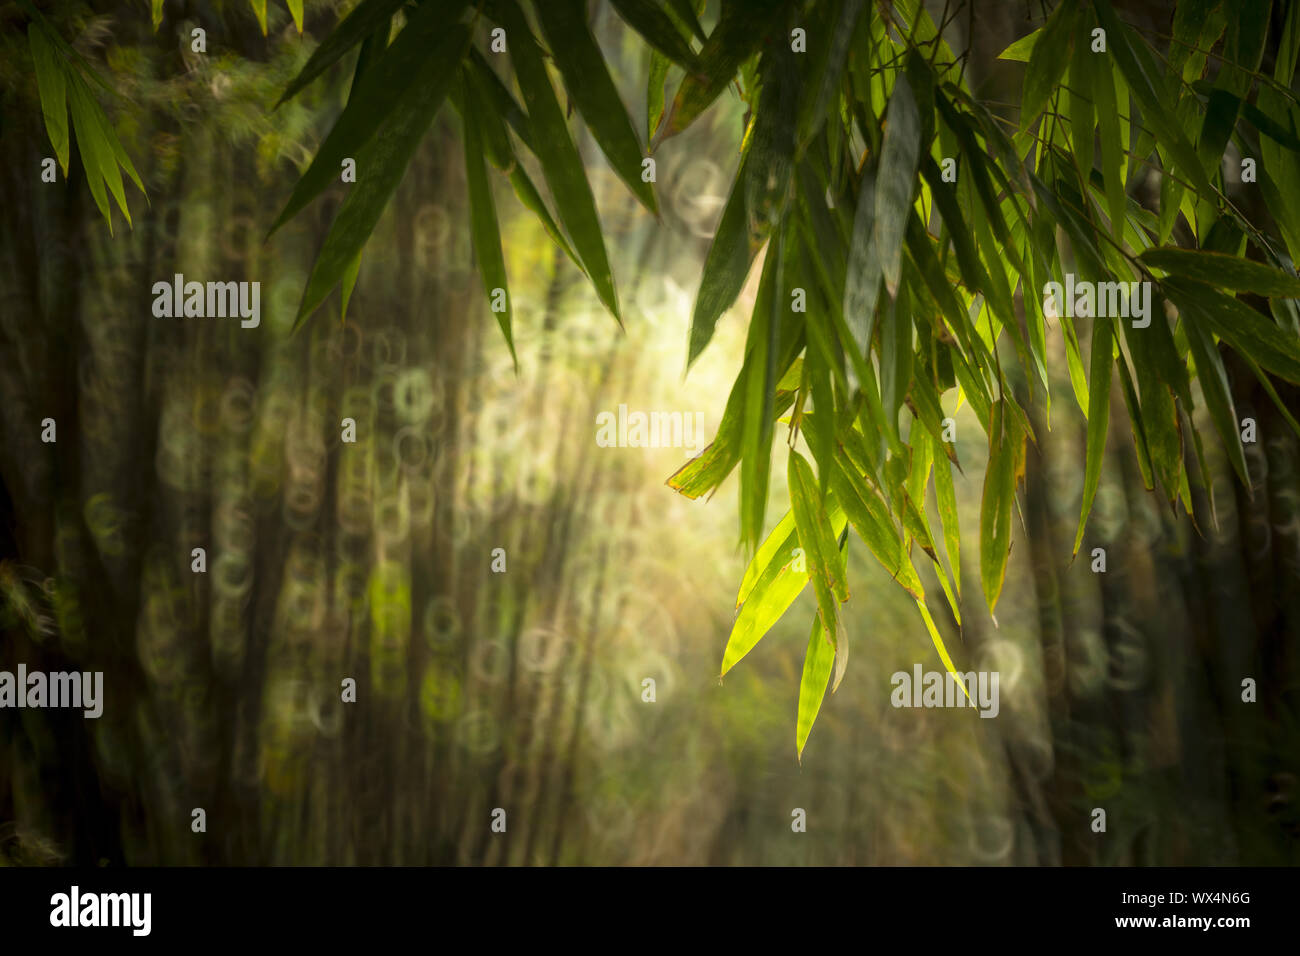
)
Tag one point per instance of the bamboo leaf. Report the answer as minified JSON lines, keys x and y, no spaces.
{"x":1159,"y":414}
{"x":896,"y":180}
{"x":871,"y":520}
{"x":1083,"y":120}
{"x":655,"y":27}
{"x":1021,"y":50}
{"x":295,"y":11}
{"x":1143,"y":76}
{"x":775,"y":587}
{"x":708,"y":470}
{"x":863,"y":275}
{"x":50,"y":81}
{"x":740,"y":30}
{"x":561,"y":162}
{"x":945,"y":495}
{"x":997,"y":502}
{"x":498,"y":98}
{"x":825,"y":563}
{"x":259,"y":12}
{"x":725,"y":267}
{"x":1223,"y":271}
{"x":832,"y":52}
{"x":383,"y":160}
{"x":1098,"y":416}
{"x":817,"y":661}
{"x":350,"y":274}
{"x":760,"y":386}
{"x":1112,"y":150}
{"x":484,"y":230}
{"x":95,"y":153}
{"x":1214,"y":384}
{"x":1048,"y":59}
{"x":591,"y":88}
{"x":421,"y":60}
{"x":686,"y":14}
{"x":654,"y":93}
{"x":937,"y":640}
{"x":366,"y":17}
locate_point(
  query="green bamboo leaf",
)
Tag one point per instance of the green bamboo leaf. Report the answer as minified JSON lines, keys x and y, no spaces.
{"x":295,"y":11}
{"x":654,"y":92}
{"x":685,"y":13}
{"x":761,"y":356}
{"x":996,"y":504}
{"x":1144,"y":78}
{"x":817,"y":661}
{"x":769,"y":157}
{"x":1112,"y":150}
{"x":1189,"y":17}
{"x":484,"y":230}
{"x":896,"y":180}
{"x":407,"y":70}
{"x":1022,"y":49}
{"x":832,"y":47}
{"x":922,"y":252}
{"x":1214,"y":383}
{"x":1098,"y":416}
{"x":259,"y":11}
{"x":778,"y":541}
{"x":591,"y":88}
{"x":895,"y":355}
{"x":1280,"y":405}
{"x":1048,"y":59}
{"x":1221,"y":110}
{"x":870,"y":517}
{"x":923,"y":400}
{"x":945,"y":496}
{"x":707,"y":470}
{"x":775,"y":587}
{"x":96,"y":156}
{"x":500,"y":99}
{"x":819,"y":428}
{"x":561,"y":163}
{"x":350,"y":274}
{"x":1082,"y":118}
{"x":53,"y":90}
{"x":156,"y":13}
{"x":863,"y":275}
{"x":1266,"y":124}
{"x":824,"y":560}
{"x":918,"y":480}
{"x":474,"y":99}
{"x":483,"y":94}
{"x":993,"y":286}
{"x":740,"y":29}
{"x":371,"y":47}
{"x":383,"y":160}
{"x":1246,"y":330}
{"x":937,"y":640}
{"x":726,"y":266}
{"x":1159,"y":414}
{"x":1141,"y":445}
{"x":655,"y":27}
{"x":105,"y":150}
{"x":366,"y":17}
{"x":1223,"y":271}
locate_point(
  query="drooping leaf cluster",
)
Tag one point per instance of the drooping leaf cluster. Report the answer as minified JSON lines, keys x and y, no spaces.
{"x":907,"y":230}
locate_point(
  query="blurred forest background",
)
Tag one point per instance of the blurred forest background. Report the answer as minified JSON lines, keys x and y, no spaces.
{"x":523,"y":690}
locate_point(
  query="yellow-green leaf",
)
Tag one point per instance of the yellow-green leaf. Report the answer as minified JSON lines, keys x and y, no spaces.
{"x":817,"y":661}
{"x":50,"y":81}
